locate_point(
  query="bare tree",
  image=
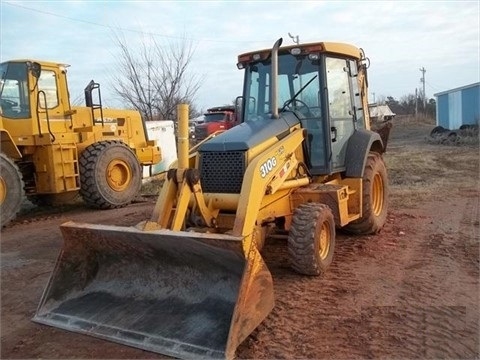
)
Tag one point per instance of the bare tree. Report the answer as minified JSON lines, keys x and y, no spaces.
{"x":153,"y":77}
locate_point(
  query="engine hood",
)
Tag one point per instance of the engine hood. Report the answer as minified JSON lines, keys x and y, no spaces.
{"x":249,"y":134}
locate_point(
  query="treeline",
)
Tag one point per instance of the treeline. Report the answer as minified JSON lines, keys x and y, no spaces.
{"x":410,"y":105}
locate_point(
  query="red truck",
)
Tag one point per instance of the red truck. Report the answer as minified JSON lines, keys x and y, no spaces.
{"x":215,"y":119}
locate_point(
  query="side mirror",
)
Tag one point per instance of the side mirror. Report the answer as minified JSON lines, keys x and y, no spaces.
{"x":35,"y":68}
{"x":239,"y":106}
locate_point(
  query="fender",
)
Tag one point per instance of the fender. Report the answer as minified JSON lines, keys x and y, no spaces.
{"x":8,"y":147}
{"x":358,"y":147}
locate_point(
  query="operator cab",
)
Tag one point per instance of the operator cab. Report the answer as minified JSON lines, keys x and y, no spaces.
{"x":26,"y":84}
{"x":319,"y":87}
{"x":33,"y":99}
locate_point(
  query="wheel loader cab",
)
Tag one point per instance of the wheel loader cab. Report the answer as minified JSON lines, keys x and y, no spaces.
{"x":31,"y":94}
{"x":319,"y":88}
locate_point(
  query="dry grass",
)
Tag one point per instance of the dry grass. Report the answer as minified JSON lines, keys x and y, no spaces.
{"x":420,"y":169}
{"x":414,"y":120}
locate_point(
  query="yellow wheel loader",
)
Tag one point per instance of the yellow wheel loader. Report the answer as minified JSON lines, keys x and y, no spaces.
{"x":190,"y":282}
{"x":51,"y":151}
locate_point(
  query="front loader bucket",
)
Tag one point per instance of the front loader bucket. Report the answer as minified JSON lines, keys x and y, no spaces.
{"x":182,"y":294}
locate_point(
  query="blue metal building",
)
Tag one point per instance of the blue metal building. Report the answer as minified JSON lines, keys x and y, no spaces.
{"x":457,"y":107}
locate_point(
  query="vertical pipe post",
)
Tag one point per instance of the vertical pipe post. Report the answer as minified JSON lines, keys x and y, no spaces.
{"x":274,"y":79}
{"x":182,"y":121}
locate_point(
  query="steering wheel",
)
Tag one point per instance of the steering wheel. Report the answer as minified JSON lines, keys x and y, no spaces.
{"x":304,"y":109}
{"x":8,"y":103}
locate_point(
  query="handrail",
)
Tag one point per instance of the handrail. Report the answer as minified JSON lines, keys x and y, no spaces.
{"x":41,"y":92}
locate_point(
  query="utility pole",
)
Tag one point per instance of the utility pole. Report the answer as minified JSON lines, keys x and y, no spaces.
{"x":416,"y":102}
{"x":422,"y":80}
{"x":295,"y":39}
{"x":373,"y":97}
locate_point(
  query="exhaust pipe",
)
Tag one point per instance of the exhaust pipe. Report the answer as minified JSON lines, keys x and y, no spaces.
{"x":274,"y":77}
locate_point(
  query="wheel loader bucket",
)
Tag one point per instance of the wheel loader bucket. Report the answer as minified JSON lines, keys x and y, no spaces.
{"x":182,"y":294}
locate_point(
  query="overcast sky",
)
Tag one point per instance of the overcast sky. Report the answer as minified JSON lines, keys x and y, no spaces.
{"x":399,"y":38}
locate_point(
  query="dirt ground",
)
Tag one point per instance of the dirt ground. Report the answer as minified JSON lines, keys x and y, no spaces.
{"x":411,"y":291}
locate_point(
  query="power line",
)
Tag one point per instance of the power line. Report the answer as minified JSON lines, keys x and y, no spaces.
{"x":127,"y":29}
{"x":433,"y":86}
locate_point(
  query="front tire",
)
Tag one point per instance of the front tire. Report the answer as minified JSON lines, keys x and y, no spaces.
{"x":375,"y":197}
{"x":11,"y":189}
{"x":311,"y":240}
{"x":110,"y":175}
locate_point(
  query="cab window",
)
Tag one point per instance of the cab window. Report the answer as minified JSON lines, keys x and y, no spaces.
{"x":47,"y":85}
{"x":14,"y":94}
{"x":338,"y":88}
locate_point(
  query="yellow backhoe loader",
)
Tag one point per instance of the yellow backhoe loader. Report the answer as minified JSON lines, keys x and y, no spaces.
{"x":51,"y":151}
{"x":190,"y":282}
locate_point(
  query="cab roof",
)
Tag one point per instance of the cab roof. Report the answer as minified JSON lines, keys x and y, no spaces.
{"x":324,"y":47}
{"x":41,"y":62}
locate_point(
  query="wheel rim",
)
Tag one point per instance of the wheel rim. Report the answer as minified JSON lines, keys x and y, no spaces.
{"x":119,"y":175}
{"x":3,"y":190}
{"x":377,"y":195}
{"x":325,"y":237}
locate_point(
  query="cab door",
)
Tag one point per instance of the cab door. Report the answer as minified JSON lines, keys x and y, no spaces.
{"x":52,"y":101}
{"x":340,"y":110}
{"x":307,"y":83}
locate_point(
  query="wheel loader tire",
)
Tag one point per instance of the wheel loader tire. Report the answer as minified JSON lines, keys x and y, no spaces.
{"x":110,"y":175}
{"x":311,"y":240}
{"x":375,"y":197}
{"x":11,"y":189}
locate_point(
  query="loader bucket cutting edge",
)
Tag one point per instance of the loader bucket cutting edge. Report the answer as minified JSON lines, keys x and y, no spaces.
{"x":182,"y":294}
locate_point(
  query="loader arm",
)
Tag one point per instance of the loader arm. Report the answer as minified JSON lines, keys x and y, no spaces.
{"x":172,"y":204}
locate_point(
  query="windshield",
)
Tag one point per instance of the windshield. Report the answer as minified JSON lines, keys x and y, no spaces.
{"x":298,"y":86}
{"x":214,"y":117}
{"x":14,"y":94}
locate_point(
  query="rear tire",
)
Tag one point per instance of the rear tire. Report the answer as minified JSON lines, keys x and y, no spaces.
{"x":375,"y":197}
{"x":110,"y":175}
{"x":11,"y":189}
{"x":311,"y":240}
